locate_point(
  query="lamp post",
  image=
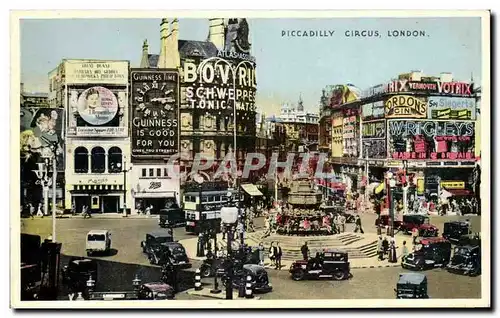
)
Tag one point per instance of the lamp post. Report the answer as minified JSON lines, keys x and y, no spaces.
{"x":124,"y":171}
{"x":238,"y":205}
{"x":229,"y":216}
{"x":405,"y":188}
{"x":391,"y":182}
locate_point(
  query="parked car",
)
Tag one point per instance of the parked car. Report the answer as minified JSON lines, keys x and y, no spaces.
{"x":329,"y":263}
{"x":429,"y":253}
{"x":78,"y":271}
{"x":210,"y":265}
{"x":171,"y":217}
{"x":159,"y":245}
{"x":411,"y":221}
{"x":98,"y":241}
{"x":156,"y":291}
{"x":260,"y":278}
{"x":466,"y":260}
{"x":411,"y":285}
{"x":453,"y":231}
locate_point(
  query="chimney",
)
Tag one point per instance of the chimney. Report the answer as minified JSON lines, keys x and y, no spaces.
{"x":145,"y":53}
{"x":22,"y":88}
{"x":174,"y":45}
{"x":163,"y":43}
{"x":216,"y":32}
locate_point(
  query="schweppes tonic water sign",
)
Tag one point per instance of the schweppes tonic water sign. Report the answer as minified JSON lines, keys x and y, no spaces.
{"x":404,"y":106}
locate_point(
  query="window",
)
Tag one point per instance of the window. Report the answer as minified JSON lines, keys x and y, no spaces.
{"x":158,"y":172}
{"x":81,"y":160}
{"x":143,"y":172}
{"x":114,"y":160}
{"x":98,"y":160}
{"x":165,"y":172}
{"x":151,"y":172}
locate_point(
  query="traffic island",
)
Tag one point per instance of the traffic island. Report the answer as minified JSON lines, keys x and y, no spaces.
{"x":205,"y":292}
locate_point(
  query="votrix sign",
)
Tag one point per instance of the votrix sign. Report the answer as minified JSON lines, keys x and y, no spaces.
{"x":155,"y":113}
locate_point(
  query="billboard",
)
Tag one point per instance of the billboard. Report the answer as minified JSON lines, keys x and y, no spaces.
{"x":42,"y":128}
{"x":97,"y":111}
{"x":374,"y":148}
{"x":154,"y":113}
{"x":405,"y":106}
{"x":431,"y":140}
{"x":451,"y":108}
{"x":373,"y":110}
{"x":373,"y":129}
{"x":431,"y":87}
{"x":96,"y":72}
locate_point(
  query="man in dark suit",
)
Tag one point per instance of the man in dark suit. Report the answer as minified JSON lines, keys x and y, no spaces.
{"x":278,"y":252}
{"x":305,"y":251}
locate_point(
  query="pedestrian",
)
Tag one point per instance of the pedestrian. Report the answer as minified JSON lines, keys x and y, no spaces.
{"x":148,"y":210}
{"x":73,"y":209}
{"x":380,"y":249}
{"x":358,"y":226}
{"x":32,"y":210}
{"x":336,"y":224}
{"x":414,"y":235}
{"x":342,"y":221}
{"x":385,"y":245}
{"x":404,"y":250}
{"x":261,"y":254}
{"x":39,"y":211}
{"x":278,"y":252}
{"x":305,"y":251}
{"x":85,"y":212}
{"x":271,"y":253}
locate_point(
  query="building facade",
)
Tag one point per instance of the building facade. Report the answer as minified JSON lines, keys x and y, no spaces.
{"x":424,"y":124}
{"x":95,"y":98}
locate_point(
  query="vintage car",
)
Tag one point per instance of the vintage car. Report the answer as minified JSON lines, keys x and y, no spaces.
{"x":160,"y":247}
{"x":453,"y":231}
{"x":419,"y":221}
{"x":171,"y":217}
{"x":466,"y":260}
{"x":98,"y":241}
{"x":429,"y":253}
{"x":329,"y":263}
{"x":210,"y":265}
{"x":411,"y":285}
{"x":260,"y":279}
{"x":78,"y":271}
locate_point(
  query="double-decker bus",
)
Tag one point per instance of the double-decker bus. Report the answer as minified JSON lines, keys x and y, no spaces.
{"x":204,"y":214}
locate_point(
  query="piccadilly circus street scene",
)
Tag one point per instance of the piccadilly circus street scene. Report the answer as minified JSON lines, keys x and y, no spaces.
{"x":171,"y":159}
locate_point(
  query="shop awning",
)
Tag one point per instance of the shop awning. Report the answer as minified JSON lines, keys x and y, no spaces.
{"x":251,"y":189}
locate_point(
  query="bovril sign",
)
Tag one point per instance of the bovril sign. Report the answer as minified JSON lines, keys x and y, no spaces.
{"x":405,"y":106}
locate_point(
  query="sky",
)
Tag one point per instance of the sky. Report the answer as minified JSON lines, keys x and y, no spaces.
{"x":287,"y":66}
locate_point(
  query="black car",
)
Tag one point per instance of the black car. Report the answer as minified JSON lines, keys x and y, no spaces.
{"x":172,"y":217}
{"x":411,"y":285}
{"x":429,"y":253}
{"x":466,"y":260}
{"x":78,"y":271}
{"x":453,"y":231}
{"x":160,"y":245}
{"x":260,"y":279}
{"x":330,"y":263}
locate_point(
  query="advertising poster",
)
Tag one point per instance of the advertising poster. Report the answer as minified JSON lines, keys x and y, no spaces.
{"x":97,"y":111}
{"x":431,"y":87}
{"x":405,"y":106}
{"x":42,"y":133}
{"x":373,"y":110}
{"x":431,"y":140}
{"x":154,"y":113}
{"x":374,"y":148}
{"x":96,"y":72}
{"x":373,"y":129}
{"x":451,"y":108}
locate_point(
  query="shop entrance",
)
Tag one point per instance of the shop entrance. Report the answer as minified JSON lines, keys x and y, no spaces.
{"x":80,"y":201}
{"x":110,"y":204}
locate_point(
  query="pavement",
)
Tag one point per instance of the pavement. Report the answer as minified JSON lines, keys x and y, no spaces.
{"x":370,"y":280}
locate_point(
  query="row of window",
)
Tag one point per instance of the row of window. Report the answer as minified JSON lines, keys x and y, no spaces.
{"x":96,"y":160}
{"x":151,"y":172}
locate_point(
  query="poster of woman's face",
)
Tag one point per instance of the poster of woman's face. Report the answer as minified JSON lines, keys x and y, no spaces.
{"x":97,"y":105}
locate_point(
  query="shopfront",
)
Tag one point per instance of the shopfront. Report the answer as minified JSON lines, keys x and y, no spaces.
{"x":100,"y":195}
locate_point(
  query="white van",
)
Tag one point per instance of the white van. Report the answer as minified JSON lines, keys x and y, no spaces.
{"x":98,"y":241}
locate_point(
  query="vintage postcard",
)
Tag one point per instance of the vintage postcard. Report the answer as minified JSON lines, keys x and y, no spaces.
{"x":250,"y":159}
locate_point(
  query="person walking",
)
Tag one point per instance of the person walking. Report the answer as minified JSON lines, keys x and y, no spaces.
{"x":85,"y":212}
{"x":380,"y":249}
{"x":336,"y":224}
{"x":261,"y":253}
{"x":404,"y":250}
{"x":358,"y":226}
{"x":342,"y":221}
{"x":305,"y":251}
{"x":414,"y":235}
{"x":32,"y":210}
{"x":385,"y":246}
{"x":271,"y":254}
{"x":278,"y":252}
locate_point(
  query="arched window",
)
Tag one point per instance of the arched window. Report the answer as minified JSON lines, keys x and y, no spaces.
{"x":114,"y":160}
{"x":98,"y":160}
{"x":81,"y":160}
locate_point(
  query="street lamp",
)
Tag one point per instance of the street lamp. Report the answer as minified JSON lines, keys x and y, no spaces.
{"x":391,"y":183}
{"x":42,"y":174}
{"x":229,"y":216}
{"x":136,"y":282}
{"x":199,"y":179}
{"x":90,"y":285}
{"x":124,"y":170}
